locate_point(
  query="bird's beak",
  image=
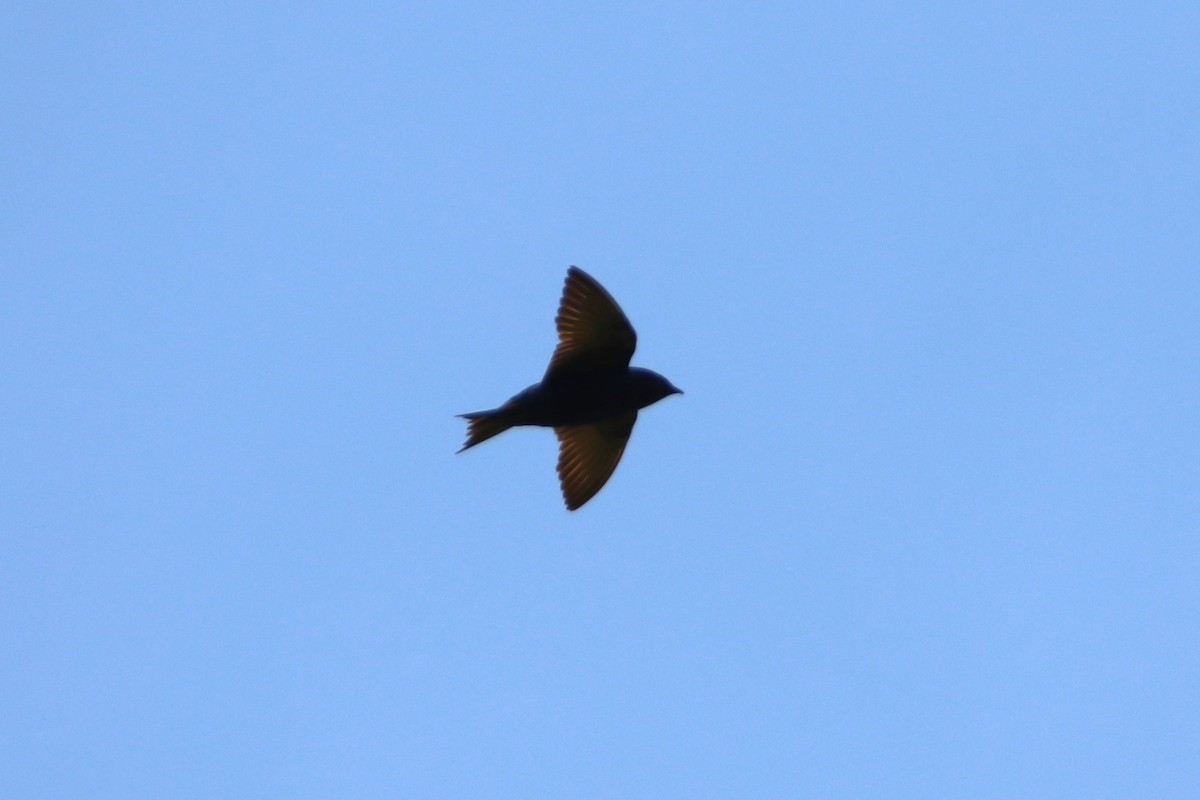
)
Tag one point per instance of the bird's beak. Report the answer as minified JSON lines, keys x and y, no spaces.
{"x":677,"y":390}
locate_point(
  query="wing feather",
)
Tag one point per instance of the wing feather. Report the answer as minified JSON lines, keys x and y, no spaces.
{"x":593,"y":332}
{"x":588,"y":454}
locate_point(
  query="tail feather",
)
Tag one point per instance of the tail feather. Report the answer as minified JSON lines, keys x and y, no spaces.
{"x":483,"y":425}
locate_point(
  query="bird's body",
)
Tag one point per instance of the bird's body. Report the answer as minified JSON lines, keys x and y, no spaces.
{"x":582,"y":399}
{"x":589,"y":394}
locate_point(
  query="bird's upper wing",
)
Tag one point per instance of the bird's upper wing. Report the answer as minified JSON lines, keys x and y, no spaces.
{"x":593,"y":332}
{"x":588,"y":454}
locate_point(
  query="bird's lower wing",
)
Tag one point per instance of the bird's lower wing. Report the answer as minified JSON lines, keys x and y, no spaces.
{"x":588,"y":454}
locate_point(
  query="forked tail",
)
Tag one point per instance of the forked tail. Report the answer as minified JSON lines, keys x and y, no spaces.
{"x":483,"y":425}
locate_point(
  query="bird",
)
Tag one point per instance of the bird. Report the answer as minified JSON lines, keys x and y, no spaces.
{"x":589,"y":393}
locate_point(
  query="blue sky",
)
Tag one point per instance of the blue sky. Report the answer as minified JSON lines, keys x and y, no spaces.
{"x":924,"y":525}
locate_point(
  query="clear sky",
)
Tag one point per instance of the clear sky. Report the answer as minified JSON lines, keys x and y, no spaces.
{"x":924,"y":525}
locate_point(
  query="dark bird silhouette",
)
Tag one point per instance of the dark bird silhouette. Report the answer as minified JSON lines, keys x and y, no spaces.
{"x":589,"y":394}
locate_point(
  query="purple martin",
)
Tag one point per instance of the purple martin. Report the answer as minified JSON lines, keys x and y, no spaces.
{"x":589,"y":394}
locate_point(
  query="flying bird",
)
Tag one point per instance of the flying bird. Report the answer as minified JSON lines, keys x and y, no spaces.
{"x":589,"y":394}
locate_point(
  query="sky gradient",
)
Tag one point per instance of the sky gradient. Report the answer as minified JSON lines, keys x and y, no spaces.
{"x":924,"y":524}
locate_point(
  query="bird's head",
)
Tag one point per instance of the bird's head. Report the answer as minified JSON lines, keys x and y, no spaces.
{"x":650,"y":387}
